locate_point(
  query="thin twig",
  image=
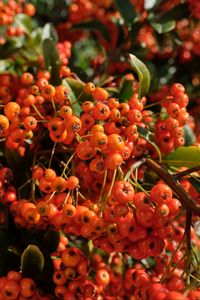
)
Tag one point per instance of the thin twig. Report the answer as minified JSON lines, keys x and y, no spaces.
{"x":136,"y":165}
{"x":186,"y":172}
{"x":52,"y":154}
{"x":184,"y":198}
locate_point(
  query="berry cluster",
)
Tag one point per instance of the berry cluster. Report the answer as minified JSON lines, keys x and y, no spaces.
{"x":8,"y":11}
{"x":13,"y":286}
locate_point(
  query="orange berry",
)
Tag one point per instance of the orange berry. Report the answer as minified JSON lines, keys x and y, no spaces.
{"x":100,"y":94}
{"x":27,"y":78}
{"x":11,"y":110}
{"x":70,"y":257}
{"x":27,"y":287}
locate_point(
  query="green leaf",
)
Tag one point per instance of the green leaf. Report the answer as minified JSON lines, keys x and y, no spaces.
{"x":76,"y":85}
{"x":178,"y":12}
{"x":52,"y":60}
{"x":162,"y":27}
{"x":32,"y":261}
{"x":11,"y":46}
{"x":6,"y":66}
{"x":147,"y":135}
{"x":25,"y":22}
{"x":195,"y":182}
{"x":149,"y":4}
{"x":125,"y":89}
{"x":50,"y":52}
{"x":189,"y":135}
{"x":93,"y":25}
{"x":126,"y":10}
{"x":49,"y":32}
{"x":112,"y":89}
{"x":184,"y":157}
{"x":143,"y":75}
{"x":73,"y":98}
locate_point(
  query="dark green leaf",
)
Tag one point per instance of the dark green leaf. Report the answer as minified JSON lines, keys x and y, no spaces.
{"x":154,"y":75}
{"x":50,"y":52}
{"x":32,"y":261}
{"x":143,"y":75}
{"x":93,"y":25}
{"x":184,"y":157}
{"x":76,"y":85}
{"x":178,"y":12}
{"x":51,"y":59}
{"x":134,"y":31}
{"x":195,"y":182}
{"x":125,"y":89}
{"x":11,"y":46}
{"x":49,"y":32}
{"x":121,"y":32}
{"x":147,"y":135}
{"x":126,"y":10}
{"x":189,"y":135}
{"x":73,"y":98}
{"x":162,"y":27}
{"x":51,"y":240}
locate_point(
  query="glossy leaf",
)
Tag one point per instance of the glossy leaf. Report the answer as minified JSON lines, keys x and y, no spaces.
{"x":149,"y":4}
{"x":126,"y":10}
{"x":93,"y":25}
{"x":184,"y":157}
{"x":147,"y":135}
{"x":49,"y":32}
{"x":189,"y":135}
{"x":50,"y":52}
{"x":24,"y":22}
{"x":76,"y":85}
{"x":72,"y":97}
{"x":162,"y":27}
{"x":32,"y":261}
{"x":125,"y":89}
{"x":143,"y":74}
{"x":51,"y":59}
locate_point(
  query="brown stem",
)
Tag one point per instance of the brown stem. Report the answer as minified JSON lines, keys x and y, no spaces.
{"x":186,"y":172}
{"x":184,"y":198}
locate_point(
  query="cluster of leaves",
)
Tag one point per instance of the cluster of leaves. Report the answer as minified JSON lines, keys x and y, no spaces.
{"x":165,"y":70}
